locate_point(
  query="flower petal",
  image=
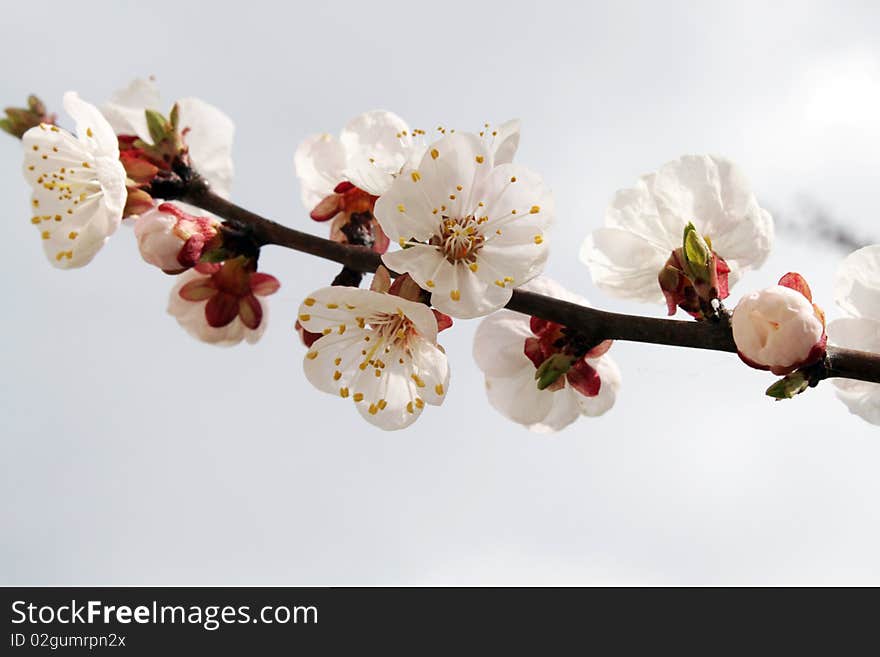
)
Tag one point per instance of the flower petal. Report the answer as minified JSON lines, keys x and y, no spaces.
{"x":624,"y":264}
{"x":857,"y":283}
{"x":609,"y":374}
{"x":518,"y":398}
{"x":377,"y":145}
{"x":319,"y":162}
{"x":716,"y":192}
{"x":421,"y":262}
{"x":330,"y":307}
{"x":498,"y":343}
{"x":125,"y":110}
{"x":460,"y":292}
{"x":209,"y":134}
{"x":861,"y":398}
{"x":858,"y":333}
{"x":92,"y":128}
{"x":565,"y":411}
{"x":505,"y":141}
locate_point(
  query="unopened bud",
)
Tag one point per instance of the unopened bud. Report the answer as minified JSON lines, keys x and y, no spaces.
{"x":19,"y":120}
{"x":778,"y":329}
{"x":172,"y":240}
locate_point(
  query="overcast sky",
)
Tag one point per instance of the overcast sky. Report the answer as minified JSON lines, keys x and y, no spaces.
{"x":132,"y":454}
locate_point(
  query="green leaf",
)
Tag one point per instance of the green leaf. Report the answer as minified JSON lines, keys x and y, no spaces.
{"x":789,"y":386}
{"x":157,"y":126}
{"x":6,"y":126}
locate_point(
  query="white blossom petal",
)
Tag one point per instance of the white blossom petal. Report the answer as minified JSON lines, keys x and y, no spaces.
{"x":861,"y":397}
{"x":125,"y":110}
{"x":423,"y":263}
{"x":209,"y":134}
{"x":377,"y":144}
{"x":319,"y":162}
{"x":609,"y":374}
{"x":564,"y":411}
{"x":857,"y":292}
{"x":717,"y":195}
{"x":505,"y":141}
{"x":858,"y":333}
{"x":92,"y":128}
{"x":518,"y":398}
{"x":499,"y":342}
{"x":624,"y":264}
{"x":857,"y":283}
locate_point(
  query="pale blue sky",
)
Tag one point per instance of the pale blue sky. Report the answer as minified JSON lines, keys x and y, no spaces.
{"x":132,"y":454}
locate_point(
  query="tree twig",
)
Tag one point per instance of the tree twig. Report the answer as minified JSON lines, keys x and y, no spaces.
{"x":598,"y":324}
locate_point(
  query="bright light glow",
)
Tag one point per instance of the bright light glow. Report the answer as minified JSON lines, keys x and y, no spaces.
{"x":844,"y":90}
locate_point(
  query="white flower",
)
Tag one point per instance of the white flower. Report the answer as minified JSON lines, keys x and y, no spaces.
{"x":500,"y":347}
{"x":373,"y":149}
{"x":171,"y":239}
{"x":208,"y":131}
{"x":377,"y":349}
{"x":857,"y":292}
{"x":78,"y":184}
{"x":222,"y":303}
{"x":471,"y":230}
{"x":645,"y":224}
{"x":778,"y":329}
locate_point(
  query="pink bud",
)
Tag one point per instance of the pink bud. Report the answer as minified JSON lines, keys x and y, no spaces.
{"x":172,"y":240}
{"x":778,"y":329}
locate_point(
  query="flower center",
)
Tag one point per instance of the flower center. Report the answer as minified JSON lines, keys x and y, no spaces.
{"x":391,"y":330}
{"x":459,"y":239}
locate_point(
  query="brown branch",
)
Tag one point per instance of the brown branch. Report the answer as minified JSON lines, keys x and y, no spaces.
{"x":598,"y":324}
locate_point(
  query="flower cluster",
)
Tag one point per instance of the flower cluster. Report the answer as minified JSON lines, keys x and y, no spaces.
{"x":341,"y":179}
{"x":459,"y":227}
{"x":116,"y":166}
